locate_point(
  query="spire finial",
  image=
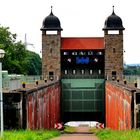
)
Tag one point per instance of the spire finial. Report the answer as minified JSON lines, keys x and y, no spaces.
{"x":113,"y":10}
{"x":51,"y":10}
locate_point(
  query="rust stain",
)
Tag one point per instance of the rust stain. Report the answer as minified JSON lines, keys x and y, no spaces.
{"x":43,"y":108}
{"x":118,"y":108}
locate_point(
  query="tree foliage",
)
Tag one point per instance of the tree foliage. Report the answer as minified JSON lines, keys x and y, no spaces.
{"x":132,"y":70}
{"x":33,"y":63}
{"x":17,"y":59}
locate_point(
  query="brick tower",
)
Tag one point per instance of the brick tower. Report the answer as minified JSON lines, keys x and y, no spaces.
{"x":51,"y":42}
{"x":113,"y":41}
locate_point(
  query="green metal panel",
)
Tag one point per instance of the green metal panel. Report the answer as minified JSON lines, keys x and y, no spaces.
{"x":83,"y":95}
{"x":82,"y":83}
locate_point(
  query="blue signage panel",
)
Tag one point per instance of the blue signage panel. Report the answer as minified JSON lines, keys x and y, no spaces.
{"x":82,"y":60}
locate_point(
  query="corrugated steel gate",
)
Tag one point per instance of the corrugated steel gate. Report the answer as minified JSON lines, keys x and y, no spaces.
{"x":122,"y":106}
{"x":43,"y":107}
{"x":118,"y":107}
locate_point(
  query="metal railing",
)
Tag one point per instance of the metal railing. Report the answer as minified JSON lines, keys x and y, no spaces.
{"x":130,"y":79}
{"x":13,"y":82}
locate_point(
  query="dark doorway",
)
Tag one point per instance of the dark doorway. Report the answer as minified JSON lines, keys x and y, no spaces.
{"x":51,"y":75}
{"x":114,"y":75}
{"x":83,"y":116}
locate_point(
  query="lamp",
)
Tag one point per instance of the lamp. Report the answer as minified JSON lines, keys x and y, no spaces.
{"x":2,"y":52}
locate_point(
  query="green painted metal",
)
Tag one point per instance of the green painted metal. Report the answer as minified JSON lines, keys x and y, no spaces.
{"x":83,"y":83}
{"x":82,"y":95}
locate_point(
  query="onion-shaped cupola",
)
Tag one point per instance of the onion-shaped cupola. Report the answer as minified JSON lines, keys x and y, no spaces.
{"x":51,"y":23}
{"x":113,"y":22}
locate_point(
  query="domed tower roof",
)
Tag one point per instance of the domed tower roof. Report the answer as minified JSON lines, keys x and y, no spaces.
{"x":113,"y":22}
{"x":51,"y":23}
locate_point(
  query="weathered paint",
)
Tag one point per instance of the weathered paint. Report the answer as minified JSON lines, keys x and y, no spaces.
{"x":13,"y":110}
{"x":118,"y":107}
{"x":43,"y":107}
{"x":39,"y":107}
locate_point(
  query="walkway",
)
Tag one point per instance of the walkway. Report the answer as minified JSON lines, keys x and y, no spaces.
{"x":82,"y":133}
{"x":76,"y":137}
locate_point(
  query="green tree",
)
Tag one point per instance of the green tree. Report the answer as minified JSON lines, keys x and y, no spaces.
{"x":132,"y":70}
{"x":33,"y":63}
{"x":17,"y":59}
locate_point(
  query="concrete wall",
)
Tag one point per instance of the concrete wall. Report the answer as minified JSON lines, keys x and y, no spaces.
{"x":13,"y":115}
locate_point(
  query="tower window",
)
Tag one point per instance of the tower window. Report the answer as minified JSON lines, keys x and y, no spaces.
{"x":51,"y":75}
{"x":50,"y":50}
{"x":114,"y":50}
{"x":113,"y":32}
{"x":114,"y":74}
{"x":51,"y":32}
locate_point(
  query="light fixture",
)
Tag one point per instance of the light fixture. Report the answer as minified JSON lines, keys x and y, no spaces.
{"x":2,"y":52}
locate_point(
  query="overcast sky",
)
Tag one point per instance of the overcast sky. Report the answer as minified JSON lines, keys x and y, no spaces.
{"x":83,"y":18}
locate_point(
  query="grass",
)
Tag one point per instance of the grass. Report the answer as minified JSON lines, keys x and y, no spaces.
{"x":108,"y":134}
{"x":30,"y":135}
{"x":69,"y":129}
{"x":102,"y":134}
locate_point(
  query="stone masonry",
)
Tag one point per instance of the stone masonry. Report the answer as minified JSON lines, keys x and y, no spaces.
{"x":51,"y":55}
{"x":113,"y":55}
